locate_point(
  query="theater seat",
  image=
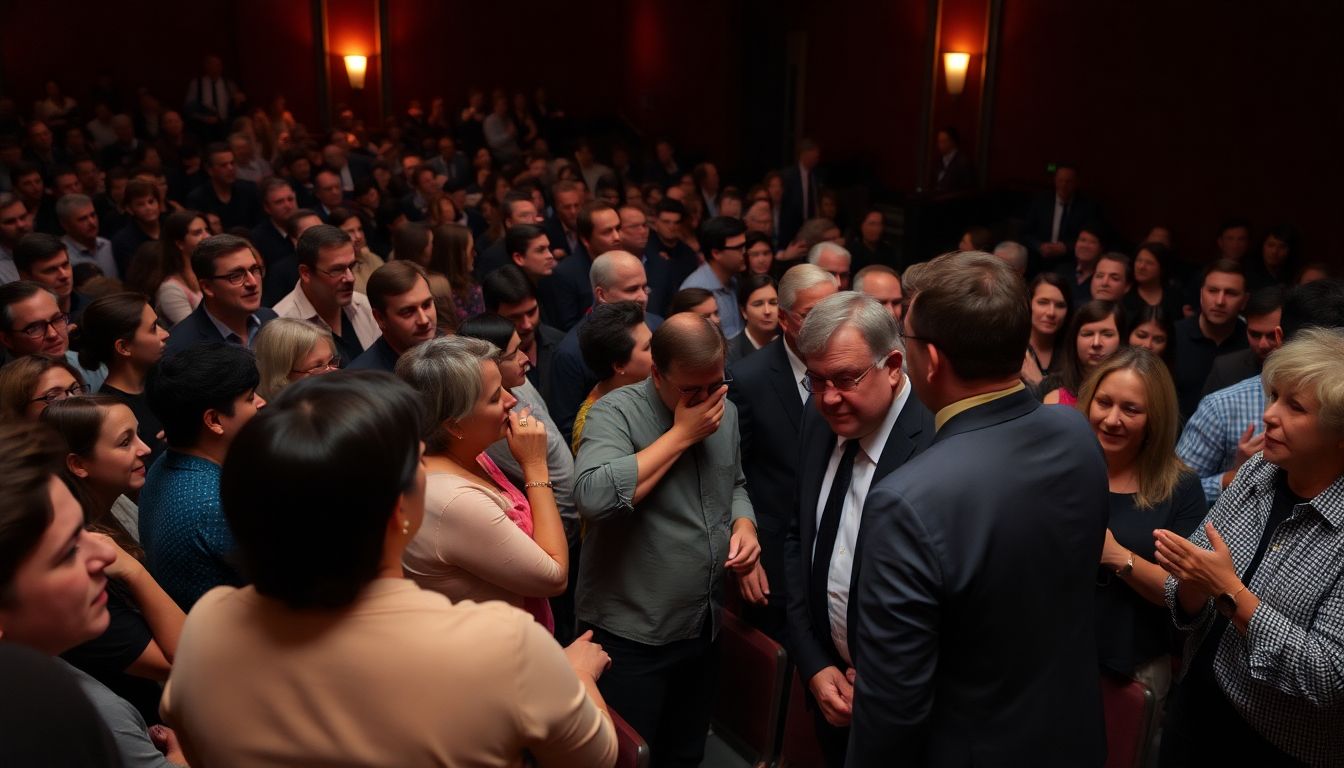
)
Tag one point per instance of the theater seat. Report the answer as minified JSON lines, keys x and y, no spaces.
{"x":632,"y":751}
{"x":799,"y":748}
{"x":1129,"y":711}
{"x":752,"y":674}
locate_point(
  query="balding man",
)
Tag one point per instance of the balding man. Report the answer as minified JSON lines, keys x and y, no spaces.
{"x":614,"y":276}
{"x":833,"y":258}
{"x":882,"y":284}
{"x":862,"y":426}
{"x":768,"y":390}
{"x":658,"y":479}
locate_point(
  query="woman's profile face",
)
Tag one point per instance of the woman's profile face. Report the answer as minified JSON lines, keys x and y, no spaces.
{"x":118,"y":460}
{"x":1294,"y":435}
{"x":489,"y":417}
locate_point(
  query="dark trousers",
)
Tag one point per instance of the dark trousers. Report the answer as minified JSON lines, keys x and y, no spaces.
{"x":834,"y":741}
{"x":665,"y":692}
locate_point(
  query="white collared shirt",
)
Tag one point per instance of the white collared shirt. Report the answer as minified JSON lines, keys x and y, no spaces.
{"x":851,"y":515}
{"x":295,"y":304}
{"x":1058,"y":221}
{"x":799,"y":371}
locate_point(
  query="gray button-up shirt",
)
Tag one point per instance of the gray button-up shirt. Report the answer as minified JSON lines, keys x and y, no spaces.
{"x":652,"y":572}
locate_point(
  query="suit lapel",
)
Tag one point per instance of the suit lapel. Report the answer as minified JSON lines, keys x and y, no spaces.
{"x":785,"y":387}
{"x":815,"y":458}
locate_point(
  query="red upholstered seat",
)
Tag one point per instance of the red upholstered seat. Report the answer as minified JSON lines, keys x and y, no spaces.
{"x":752,"y":672}
{"x":632,"y":751}
{"x":799,"y":747}
{"x":1129,"y":711}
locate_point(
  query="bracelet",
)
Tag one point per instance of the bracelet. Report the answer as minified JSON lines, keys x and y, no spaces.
{"x":546,"y":484}
{"x":1127,"y":568}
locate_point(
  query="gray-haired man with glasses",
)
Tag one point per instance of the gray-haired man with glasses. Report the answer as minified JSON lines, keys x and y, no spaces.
{"x":230,"y":272}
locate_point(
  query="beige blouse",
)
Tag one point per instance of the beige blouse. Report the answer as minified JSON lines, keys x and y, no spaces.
{"x":400,"y":678}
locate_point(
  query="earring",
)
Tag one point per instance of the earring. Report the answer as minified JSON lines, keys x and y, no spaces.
{"x":405,"y":527}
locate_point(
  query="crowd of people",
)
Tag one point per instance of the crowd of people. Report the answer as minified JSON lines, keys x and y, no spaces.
{"x":431,"y":445}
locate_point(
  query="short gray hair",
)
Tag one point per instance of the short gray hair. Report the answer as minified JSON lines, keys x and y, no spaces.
{"x":849,"y":308}
{"x":1312,"y":360}
{"x":1013,"y":253}
{"x":603,"y":270}
{"x":825,"y":247}
{"x":446,"y":373}
{"x":799,"y":278}
{"x":68,"y":204}
{"x":280,"y":345}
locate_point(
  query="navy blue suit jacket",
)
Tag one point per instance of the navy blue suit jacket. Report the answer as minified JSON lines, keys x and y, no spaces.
{"x":196,"y":328}
{"x":973,"y":591}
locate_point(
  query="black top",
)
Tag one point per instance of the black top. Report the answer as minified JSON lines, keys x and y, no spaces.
{"x":149,"y":424}
{"x":378,"y":357}
{"x":242,"y":210}
{"x":108,"y":656}
{"x":1131,"y":630}
{"x":347,"y":344}
{"x":1194,"y":353}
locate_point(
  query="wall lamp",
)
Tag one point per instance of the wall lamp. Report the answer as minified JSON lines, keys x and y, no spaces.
{"x":358,"y":66}
{"x":954,"y":69}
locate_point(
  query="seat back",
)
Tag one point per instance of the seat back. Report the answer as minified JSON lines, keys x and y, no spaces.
{"x":799,"y":747}
{"x":1129,"y":706}
{"x":752,"y":674}
{"x":632,"y":751}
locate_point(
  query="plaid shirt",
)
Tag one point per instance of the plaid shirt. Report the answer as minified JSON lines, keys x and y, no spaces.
{"x":1209,"y":443}
{"x":1286,"y":674}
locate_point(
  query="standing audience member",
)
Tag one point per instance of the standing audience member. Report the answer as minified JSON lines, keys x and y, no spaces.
{"x":881,"y":283}
{"x":758,"y":304}
{"x":331,"y":610}
{"x":1215,"y":330}
{"x":230,"y":274}
{"x":864,"y":425}
{"x":403,"y":307}
{"x":660,"y":485}
{"x":1263,"y":334}
{"x":1259,"y":585}
{"x":122,"y":332}
{"x":325,"y":294}
{"x":725,"y":242}
{"x":616,"y":348}
{"x":950,"y":569}
{"x":1049,"y":314}
{"x":1097,"y":331}
{"x":203,"y":396}
{"x":289,"y":351}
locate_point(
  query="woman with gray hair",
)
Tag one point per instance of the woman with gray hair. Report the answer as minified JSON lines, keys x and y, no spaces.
{"x":482,"y":539}
{"x":1261,"y":583}
{"x":289,"y":350}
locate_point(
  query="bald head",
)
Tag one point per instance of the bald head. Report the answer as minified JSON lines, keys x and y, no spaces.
{"x":687,"y":342}
{"x":618,"y":276}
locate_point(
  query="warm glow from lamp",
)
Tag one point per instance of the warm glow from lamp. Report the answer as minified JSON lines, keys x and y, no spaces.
{"x":954,"y":68}
{"x":357,"y":66}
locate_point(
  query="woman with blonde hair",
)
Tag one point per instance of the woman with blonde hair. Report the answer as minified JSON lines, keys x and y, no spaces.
{"x":1130,"y":401}
{"x":289,"y":350}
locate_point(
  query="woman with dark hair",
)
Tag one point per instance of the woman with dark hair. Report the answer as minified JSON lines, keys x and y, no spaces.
{"x":31,"y":383}
{"x":122,"y":332}
{"x":1278,"y":262}
{"x":758,"y":301}
{"x":1130,"y":401}
{"x":615,"y":343}
{"x":697,"y":300}
{"x":760,"y":254}
{"x":452,"y":257}
{"x":54,"y":574}
{"x":1154,"y":283}
{"x":407,"y":678}
{"x":1097,"y":331}
{"x":1050,"y":306}
{"x":1152,"y":328}
{"x":170,"y":282}
{"x":105,"y":463}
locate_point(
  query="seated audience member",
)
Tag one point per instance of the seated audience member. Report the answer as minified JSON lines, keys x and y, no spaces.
{"x":724,"y":241}
{"x":1259,"y":585}
{"x":668,"y":260}
{"x":31,"y":383}
{"x":1013,"y":254}
{"x":1215,"y":330}
{"x":1277,"y":264}
{"x":203,"y":395}
{"x":230,"y":275}
{"x":1313,"y":271}
{"x":758,"y":303}
{"x":1131,"y":404}
{"x":697,"y":301}
{"x":366,"y":261}
{"x":508,"y":293}
{"x":517,"y":208}
{"x":170,"y":281}
{"x":615,"y":345}
{"x":282,"y":275}
{"x":866,"y":246}
{"x":1263,"y":334}
{"x":54,"y":576}
{"x":45,"y":719}
{"x":1077,"y":273}
{"x":760,"y":254}
{"x":122,"y":332}
{"x":662,"y":530}
{"x":465,"y":552}
{"x":881,"y":283}
{"x":1112,"y":277}
{"x":32,"y":324}
{"x":44,"y":260}
{"x":832,"y":258}
{"x":1155,"y":281}
{"x":79,"y":222}
{"x":568,"y":291}
{"x":325,"y":294}
{"x":105,"y":463}
{"x":143,"y":210}
{"x":234,"y":201}
{"x":456,"y":292}
{"x":530,"y":250}
{"x":403,"y":307}
{"x":977,"y":238}
{"x":271,"y":235}
{"x":1097,"y":332}
{"x":14,"y":224}
{"x":1225,"y":430}
{"x":1151,"y":328}
{"x":1049,"y":313}
{"x":290,"y":350}
{"x":331,"y":610}
{"x":563,"y":228}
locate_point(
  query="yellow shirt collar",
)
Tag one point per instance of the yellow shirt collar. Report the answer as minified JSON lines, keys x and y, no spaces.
{"x":945,"y":414}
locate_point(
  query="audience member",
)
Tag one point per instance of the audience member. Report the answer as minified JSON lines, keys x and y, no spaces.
{"x":760,"y":254}
{"x":230,"y":273}
{"x":800,"y":191}
{"x":1112,"y":278}
{"x":122,"y":332}
{"x":1050,"y":310}
{"x":1216,"y":329}
{"x":14,"y":224}
{"x":456,"y":293}
{"x":271,"y":235}
{"x":1087,"y":249}
{"x":568,"y":290}
{"x":79,"y":222}
{"x":758,"y":304}
{"x":1055,"y":221}
{"x":290,"y":350}
{"x":1096,"y":332}
{"x":832,"y":258}
{"x":951,"y":568}
{"x":1015,"y":255}
{"x":46,"y":719}
{"x":45,"y":260}
{"x":235,"y":202}
{"x":325,"y":294}
{"x":724,"y":242}
{"x":366,"y":261}
{"x":864,"y":425}
{"x":881,"y":283}
{"x":697,"y":301}
{"x":202,"y":395}
{"x":508,"y":293}
{"x":641,"y":487}
{"x":143,"y":208}
{"x":517,"y":209}
{"x":668,"y":260}
{"x":615,"y":344}
{"x":1152,"y":329}
{"x":31,"y":323}
{"x":954,"y":175}
{"x":29,"y":384}
{"x":1154,"y":281}
{"x":403,"y":308}
{"x":977,"y":238}
{"x":174,"y":286}
{"x":1234,"y":240}
{"x":330,"y":603}
{"x":1277,"y":264}
{"x":1263,"y":335}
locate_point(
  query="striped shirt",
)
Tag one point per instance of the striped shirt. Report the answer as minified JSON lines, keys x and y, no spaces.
{"x":1209,"y":443}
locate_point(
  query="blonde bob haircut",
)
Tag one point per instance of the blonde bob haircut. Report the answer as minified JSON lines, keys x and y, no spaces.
{"x":1314,"y":361}
{"x":281,"y":344}
{"x":1158,"y":468}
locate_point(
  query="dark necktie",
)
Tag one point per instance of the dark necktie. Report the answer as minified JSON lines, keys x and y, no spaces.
{"x":826,"y":533}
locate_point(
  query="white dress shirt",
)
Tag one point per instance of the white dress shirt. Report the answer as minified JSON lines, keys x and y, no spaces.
{"x":1057,"y":221}
{"x":851,"y":515}
{"x":295,"y":304}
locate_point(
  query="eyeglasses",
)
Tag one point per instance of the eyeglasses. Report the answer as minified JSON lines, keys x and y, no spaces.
{"x":57,"y":395}
{"x":237,"y":276}
{"x":338,"y":271}
{"x":39,"y":329}
{"x":818,"y":384}
{"x":331,"y":365}
{"x":900,"y":328}
{"x":708,"y":389}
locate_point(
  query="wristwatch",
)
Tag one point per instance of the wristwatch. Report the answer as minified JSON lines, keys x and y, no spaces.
{"x":1227,"y":603}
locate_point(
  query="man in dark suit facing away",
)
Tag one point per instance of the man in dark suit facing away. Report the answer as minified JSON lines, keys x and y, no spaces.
{"x":973,"y":637}
{"x":863,"y":424}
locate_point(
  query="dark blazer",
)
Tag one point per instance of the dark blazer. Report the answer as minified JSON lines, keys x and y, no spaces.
{"x":566,"y":294}
{"x":770,"y":415}
{"x":958,"y":178}
{"x":1079,"y":213}
{"x":739,"y":347}
{"x":1230,"y":369}
{"x":973,"y":593}
{"x":555,"y":232}
{"x":810,"y":642}
{"x":196,"y":328}
{"x":242,"y":210}
{"x":791,"y":213}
